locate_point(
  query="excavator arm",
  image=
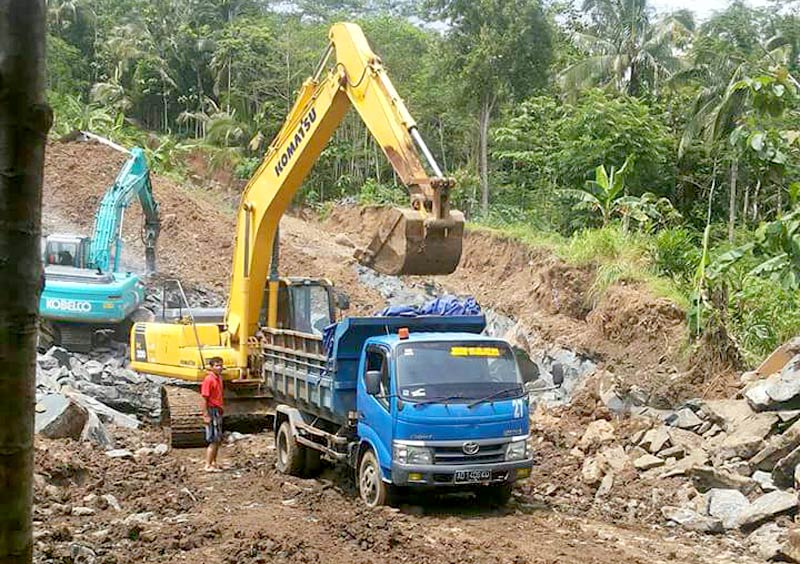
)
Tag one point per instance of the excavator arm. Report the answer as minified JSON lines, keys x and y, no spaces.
{"x":425,"y":239}
{"x":133,"y":180}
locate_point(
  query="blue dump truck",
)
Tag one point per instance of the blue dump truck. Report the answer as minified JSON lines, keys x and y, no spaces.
{"x":407,"y":402}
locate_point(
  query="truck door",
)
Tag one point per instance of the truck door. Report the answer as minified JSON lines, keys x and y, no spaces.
{"x":375,"y":421}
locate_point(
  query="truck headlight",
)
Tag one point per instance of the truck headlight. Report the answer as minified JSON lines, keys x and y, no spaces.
{"x":517,"y":450}
{"x":410,"y":454}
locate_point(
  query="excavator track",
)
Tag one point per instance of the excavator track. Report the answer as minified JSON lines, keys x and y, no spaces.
{"x":181,"y":414}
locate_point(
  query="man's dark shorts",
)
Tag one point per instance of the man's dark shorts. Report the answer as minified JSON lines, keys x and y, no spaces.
{"x":214,"y":427}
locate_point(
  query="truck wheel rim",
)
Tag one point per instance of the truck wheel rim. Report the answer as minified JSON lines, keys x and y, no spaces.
{"x":369,"y":486}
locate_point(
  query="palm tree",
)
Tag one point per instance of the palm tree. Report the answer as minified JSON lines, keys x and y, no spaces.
{"x":625,"y":49}
{"x":25,"y":119}
{"x":727,"y":50}
{"x":60,"y":12}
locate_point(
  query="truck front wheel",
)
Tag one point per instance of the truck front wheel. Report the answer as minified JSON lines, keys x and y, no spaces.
{"x":291,"y":458}
{"x":371,"y":486}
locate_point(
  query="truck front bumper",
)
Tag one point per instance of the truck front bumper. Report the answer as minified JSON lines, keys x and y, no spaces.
{"x":446,"y":474}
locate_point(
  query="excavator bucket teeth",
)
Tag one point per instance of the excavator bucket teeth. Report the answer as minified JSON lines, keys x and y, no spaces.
{"x":408,"y":242}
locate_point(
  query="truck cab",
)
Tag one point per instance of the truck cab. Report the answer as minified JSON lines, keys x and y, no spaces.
{"x":441,"y":410}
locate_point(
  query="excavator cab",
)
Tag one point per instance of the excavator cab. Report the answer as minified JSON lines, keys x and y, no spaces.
{"x":67,"y":250}
{"x":306,"y":305}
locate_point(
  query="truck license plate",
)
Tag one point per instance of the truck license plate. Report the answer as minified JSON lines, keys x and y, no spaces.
{"x":472,"y":476}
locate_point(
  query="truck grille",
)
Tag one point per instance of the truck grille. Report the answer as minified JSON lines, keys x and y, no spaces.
{"x":455,"y":455}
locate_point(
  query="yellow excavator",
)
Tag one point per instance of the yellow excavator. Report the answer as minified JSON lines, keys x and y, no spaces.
{"x":423,"y":239}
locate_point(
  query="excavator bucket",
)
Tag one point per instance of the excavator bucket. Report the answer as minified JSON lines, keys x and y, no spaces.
{"x":408,"y":242}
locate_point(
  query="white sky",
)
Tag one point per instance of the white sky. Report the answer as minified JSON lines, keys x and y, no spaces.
{"x":701,"y":8}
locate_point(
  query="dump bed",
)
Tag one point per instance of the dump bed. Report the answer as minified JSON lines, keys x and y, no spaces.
{"x":318,"y":375}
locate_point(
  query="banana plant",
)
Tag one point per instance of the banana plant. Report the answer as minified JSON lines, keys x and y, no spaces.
{"x":603,"y":194}
{"x":777,"y":245}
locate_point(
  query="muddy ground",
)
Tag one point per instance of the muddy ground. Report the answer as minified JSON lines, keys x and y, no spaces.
{"x":170,"y":511}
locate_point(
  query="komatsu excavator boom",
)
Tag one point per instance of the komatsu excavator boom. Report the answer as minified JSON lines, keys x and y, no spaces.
{"x":424,"y":239}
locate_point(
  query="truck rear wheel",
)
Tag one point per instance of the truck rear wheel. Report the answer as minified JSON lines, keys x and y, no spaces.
{"x":291,"y":458}
{"x":374,"y":492}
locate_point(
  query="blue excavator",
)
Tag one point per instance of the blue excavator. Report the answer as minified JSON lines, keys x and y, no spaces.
{"x":88,"y":298}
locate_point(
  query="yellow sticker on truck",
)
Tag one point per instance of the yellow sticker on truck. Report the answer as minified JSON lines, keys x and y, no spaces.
{"x":474,"y":351}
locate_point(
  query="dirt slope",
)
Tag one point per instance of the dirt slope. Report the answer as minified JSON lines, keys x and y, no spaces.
{"x":638,"y":337}
{"x":634,"y":335}
{"x":196,"y":242}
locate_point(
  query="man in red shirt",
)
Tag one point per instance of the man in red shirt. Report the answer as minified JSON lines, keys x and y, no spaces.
{"x":211,"y":390}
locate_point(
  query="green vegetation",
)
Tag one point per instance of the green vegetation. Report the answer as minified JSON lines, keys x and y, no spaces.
{"x":663,"y":149}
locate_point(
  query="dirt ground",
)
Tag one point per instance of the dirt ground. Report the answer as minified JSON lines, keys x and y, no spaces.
{"x":170,"y":511}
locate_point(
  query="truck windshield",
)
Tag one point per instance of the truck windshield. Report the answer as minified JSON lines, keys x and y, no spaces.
{"x":468,"y":370}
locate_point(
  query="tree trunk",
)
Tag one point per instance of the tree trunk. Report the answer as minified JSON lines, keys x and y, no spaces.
{"x":228,"y":101}
{"x":732,"y":204}
{"x":746,"y":204}
{"x":755,"y":201}
{"x":24,"y":121}
{"x":483,"y":153}
{"x":441,"y":143}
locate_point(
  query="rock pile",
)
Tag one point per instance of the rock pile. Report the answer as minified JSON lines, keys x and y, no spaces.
{"x":741,"y":456}
{"x":79,"y":395}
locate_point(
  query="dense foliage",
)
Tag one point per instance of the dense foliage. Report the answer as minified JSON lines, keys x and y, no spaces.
{"x":586,"y":121}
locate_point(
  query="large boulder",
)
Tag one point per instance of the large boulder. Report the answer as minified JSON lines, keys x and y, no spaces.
{"x":777,"y":447}
{"x":105,"y":413}
{"x":61,"y":355}
{"x":684,"y":418}
{"x":95,"y":432}
{"x":766,"y":507}
{"x":783,"y":473}
{"x":791,"y":549}
{"x":655,"y":439}
{"x":726,"y":505}
{"x":738,"y":445}
{"x":692,"y":520}
{"x":59,"y":417}
{"x":94,"y":370}
{"x":597,"y":433}
{"x":779,"y":391}
{"x":706,"y":478}
{"x":767,"y":540}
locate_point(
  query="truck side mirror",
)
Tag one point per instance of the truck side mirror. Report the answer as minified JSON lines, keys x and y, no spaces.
{"x":558,"y":374}
{"x":342,"y":301}
{"x":372,"y":382}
